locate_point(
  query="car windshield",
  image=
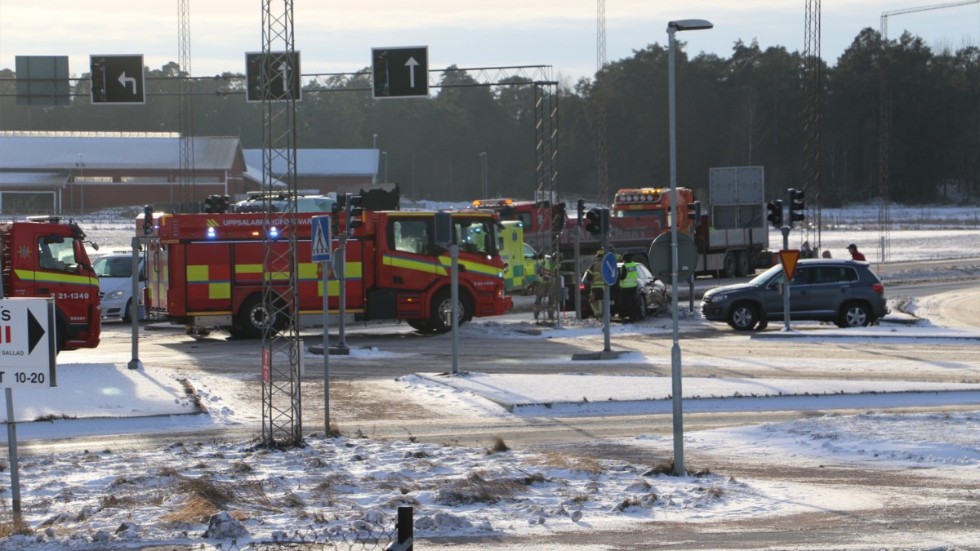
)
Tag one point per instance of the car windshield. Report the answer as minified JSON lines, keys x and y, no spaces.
{"x":763,"y":278}
{"x":113,"y":266}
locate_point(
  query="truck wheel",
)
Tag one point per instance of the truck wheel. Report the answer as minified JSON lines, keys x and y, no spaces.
{"x":254,"y":317}
{"x":729,"y":267}
{"x":743,"y":316}
{"x":442,"y":306}
{"x":854,"y":314}
{"x":742,"y":266}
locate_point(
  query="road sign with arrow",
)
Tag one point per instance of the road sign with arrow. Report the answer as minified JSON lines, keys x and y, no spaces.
{"x":117,"y":79}
{"x":27,"y":351}
{"x":273,"y":76}
{"x":400,"y":72}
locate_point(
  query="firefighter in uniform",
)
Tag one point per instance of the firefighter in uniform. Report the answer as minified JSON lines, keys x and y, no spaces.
{"x":595,"y":288}
{"x":543,"y":289}
{"x":628,"y":283}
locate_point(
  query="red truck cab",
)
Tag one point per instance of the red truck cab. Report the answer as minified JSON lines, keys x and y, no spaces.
{"x":46,"y":257}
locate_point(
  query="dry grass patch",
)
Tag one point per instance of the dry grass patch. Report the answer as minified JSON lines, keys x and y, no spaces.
{"x":14,"y":527}
{"x":477,"y":489}
{"x":557,"y":460}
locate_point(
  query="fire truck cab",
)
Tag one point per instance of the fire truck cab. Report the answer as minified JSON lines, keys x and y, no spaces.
{"x":46,"y":257}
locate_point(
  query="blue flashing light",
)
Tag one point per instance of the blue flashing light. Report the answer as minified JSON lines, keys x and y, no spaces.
{"x":273,"y":233}
{"x":211,"y":234}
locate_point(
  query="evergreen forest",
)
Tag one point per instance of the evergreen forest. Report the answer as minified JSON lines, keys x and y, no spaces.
{"x":746,"y":109}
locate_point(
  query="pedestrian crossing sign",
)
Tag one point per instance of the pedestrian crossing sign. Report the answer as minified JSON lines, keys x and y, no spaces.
{"x":321,"y":239}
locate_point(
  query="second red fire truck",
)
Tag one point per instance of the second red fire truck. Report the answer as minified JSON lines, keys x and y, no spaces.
{"x":207,"y":270}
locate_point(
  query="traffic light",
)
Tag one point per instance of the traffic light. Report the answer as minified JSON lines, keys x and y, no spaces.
{"x":775,"y":216}
{"x":796,"y":206}
{"x":147,"y":220}
{"x":581,"y":211}
{"x":593,"y":221}
{"x":355,"y":213}
{"x":99,"y":91}
{"x":694,"y":212}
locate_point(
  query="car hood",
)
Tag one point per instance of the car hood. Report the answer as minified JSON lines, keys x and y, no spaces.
{"x":110,"y":284}
{"x":735,"y":288}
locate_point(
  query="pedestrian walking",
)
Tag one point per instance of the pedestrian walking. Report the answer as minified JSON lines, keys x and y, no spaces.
{"x":855,"y":253}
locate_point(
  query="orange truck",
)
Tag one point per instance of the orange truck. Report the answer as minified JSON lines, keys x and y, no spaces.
{"x":207,"y":270}
{"x":730,"y":229}
{"x":46,"y":257}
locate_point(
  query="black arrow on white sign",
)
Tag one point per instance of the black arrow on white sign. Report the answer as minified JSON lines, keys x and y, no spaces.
{"x":35,"y":332}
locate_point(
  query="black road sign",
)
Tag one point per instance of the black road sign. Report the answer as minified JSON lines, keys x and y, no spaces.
{"x":400,"y":72}
{"x":42,"y":80}
{"x":274,"y":76}
{"x":117,"y":79}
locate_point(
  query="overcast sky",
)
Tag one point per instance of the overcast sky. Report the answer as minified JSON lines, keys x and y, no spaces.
{"x":337,"y":36}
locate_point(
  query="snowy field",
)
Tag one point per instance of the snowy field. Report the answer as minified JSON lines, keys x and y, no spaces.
{"x":351,"y":486}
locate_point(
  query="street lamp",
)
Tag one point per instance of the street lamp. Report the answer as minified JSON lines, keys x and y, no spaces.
{"x":483,"y":172}
{"x":675,"y":350}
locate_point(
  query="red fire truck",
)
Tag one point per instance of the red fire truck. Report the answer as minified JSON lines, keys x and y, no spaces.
{"x":45,"y":257}
{"x":207,"y":270}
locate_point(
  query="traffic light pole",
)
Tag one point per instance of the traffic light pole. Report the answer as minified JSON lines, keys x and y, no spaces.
{"x":606,"y":344}
{"x":785,"y":230}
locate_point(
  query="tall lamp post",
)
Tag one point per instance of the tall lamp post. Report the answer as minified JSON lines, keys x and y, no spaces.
{"x":675,"y":351}
{"x":483,"y":173}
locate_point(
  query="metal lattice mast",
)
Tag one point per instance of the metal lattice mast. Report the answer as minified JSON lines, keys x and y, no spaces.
{"x":601,"y":122}
{"x":812,"y":141}
{"x":546,"y":168}
{"x":185,"y":115}
{"x":281,"y":407}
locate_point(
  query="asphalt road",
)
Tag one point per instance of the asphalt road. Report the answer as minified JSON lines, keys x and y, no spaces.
{"x":364,"y":400}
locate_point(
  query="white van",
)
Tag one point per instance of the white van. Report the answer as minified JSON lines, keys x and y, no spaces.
{"x":115,"y":273}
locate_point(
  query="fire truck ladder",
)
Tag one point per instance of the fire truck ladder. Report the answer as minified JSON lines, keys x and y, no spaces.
{"x":281,"y":350}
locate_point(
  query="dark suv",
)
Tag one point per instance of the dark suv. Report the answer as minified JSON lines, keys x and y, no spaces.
{"x":845,"y":292}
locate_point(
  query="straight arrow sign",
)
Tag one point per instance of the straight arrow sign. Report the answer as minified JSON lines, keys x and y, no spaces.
{"x":411,"y":64}
{"x":390,"y":81}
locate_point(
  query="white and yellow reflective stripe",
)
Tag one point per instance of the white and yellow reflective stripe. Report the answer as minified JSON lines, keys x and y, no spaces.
{"x":241,"y":269}
{"x":418,"y":265}
{"x":219,"y":290}
{"x":352,"y":270}
{"x":57,"y":277}
{"x":198,"y":273}
{"x":471,"y":266}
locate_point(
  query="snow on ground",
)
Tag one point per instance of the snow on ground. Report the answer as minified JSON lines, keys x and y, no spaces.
{"x":348,"y":486}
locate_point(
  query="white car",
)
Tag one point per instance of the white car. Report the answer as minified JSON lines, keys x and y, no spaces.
{"x":115,"y":273}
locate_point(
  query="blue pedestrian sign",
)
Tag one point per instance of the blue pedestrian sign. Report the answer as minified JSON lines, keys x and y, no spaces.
{"x":320,"y":247}
{"x":610,"y":272}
